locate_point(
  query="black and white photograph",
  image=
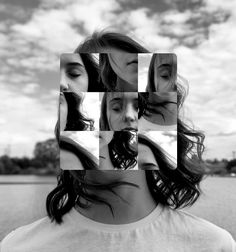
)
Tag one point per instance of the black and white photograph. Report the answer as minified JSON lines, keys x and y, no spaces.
{"x":157,"y":72}
{"x":105,"y":143}
{"x":157,"y":111}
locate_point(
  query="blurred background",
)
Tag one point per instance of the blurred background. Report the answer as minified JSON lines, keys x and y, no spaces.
{"x":33,"y":34}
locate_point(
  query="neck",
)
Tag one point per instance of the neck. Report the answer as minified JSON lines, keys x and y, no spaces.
{"x":129,"y":204}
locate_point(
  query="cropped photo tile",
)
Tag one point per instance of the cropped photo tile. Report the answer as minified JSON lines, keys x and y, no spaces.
{"x":157,"y":72}
{"x":154,"y":147}
{"x":79,"y":150}
{"x":157,"y":111}
{"x":119,"y":71}
{"x":79,"y":111}
{"x":118,"y":111}
{"x":79,"y":72}
{"x":118,"y":150}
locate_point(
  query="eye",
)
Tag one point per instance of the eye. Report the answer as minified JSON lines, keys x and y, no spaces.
{"x":73,"y":73}
{"x":148,"y":166}
{"x":117,"y":108}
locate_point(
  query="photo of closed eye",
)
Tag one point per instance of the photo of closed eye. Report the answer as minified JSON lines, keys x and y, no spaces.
{"x":119,"y":111}
{"x":119,"y":71}
{"x":157,"y":111}
{"x":79,"y":72}
{"x":157,"y":72}
{"x":79,"y":151}
{"x":118,"y":150}
{"x":157,"y":150}
{"x":78,"y":111}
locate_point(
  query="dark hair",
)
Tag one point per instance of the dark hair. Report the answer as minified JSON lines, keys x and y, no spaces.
{"x":75,"y":119}
{"x":87,"y":159}
{"x":103,"y":122}
{"x":106,"y":39}
{"x":107,"y":75}
{"x":176,"y":188}
{"x":123,"y":153}
{"x":147,"y":108}
{"x":151,"y":87}
{"x":92,"y":70}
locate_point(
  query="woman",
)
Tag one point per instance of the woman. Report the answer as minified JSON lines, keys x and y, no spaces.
{"x":119,"y":71}
{"x":119,"y":111}
{"x":71,"y":118}
{"x":157,"y":111}
{"x":162,"y":73}
{"x":129,"y":210}
{"x":79,"y":72}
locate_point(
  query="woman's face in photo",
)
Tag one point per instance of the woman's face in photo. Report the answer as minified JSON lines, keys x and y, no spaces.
{"x":125,"y":65}
{"x":165,"y":72}
{"x":122,"y":111}
{"x":73,"y":74}
{"x":146,"y":158}
{"x":63,"y":111}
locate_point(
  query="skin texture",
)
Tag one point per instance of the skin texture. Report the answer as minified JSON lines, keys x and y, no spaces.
{"x":126,"y":68}
{"x":105,"y":138}
{"x":146,"y":159}
{"x":133,"y":203}
{"x":63,"y":111}
{"x":69,"y":161}
{"x":73,"y":75}
{"x":122,"y":110}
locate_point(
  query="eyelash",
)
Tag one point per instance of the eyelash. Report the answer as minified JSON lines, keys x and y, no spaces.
{"x":73,"y":74}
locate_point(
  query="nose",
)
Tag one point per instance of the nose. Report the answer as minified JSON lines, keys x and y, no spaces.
{"x":64,"y":86}
{"x":130,"y":114}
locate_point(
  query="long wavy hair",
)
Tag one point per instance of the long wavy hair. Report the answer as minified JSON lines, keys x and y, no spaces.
{"x":170,"y":187}
{"x":146,"y":108}
{"x":123,"y":150}
{"x":92,"y":69}
{"x":75,"y":119}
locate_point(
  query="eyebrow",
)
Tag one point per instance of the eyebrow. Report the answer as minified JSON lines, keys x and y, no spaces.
{"x":121,"y":98}
{"x":77,"y":64}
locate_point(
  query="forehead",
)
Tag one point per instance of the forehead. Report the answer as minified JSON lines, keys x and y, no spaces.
{"x":122,"y":96}
{"x":70,"y":58}
{"x":145,"y":154}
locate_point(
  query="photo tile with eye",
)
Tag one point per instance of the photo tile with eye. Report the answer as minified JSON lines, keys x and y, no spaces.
{"x":79,"y":150}
{"x":157,"y":148}
{"x":79,"y":72}
{"x":157,"y":111}
{"x":79,"y":111}
{"x":119,"y":71}
{"x":118,"y":150}
{"x":118,"y":111}
{"x":157,"y":72}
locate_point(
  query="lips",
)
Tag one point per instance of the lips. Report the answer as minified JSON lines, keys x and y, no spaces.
{"x":130,"y":129}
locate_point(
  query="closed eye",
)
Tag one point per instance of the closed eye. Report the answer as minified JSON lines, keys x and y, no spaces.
{"x":148,"y":166}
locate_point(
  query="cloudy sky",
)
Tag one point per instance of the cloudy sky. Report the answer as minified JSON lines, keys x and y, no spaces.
{"x":33,"y":33}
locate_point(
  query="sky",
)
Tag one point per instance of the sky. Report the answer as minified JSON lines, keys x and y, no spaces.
{"x":33,"y":34}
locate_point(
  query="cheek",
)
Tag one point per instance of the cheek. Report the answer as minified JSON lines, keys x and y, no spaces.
{"x":114,"y":120}
{"x":80,"y":84}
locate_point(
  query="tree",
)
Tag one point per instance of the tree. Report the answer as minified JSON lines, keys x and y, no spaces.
{"x":47,"y":153}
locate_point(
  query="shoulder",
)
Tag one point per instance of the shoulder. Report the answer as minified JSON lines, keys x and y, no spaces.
{"x":41,"y":235}
{"x":199,"y":231}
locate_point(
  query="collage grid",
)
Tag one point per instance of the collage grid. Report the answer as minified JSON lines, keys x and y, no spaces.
{"x":112,"y":106}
